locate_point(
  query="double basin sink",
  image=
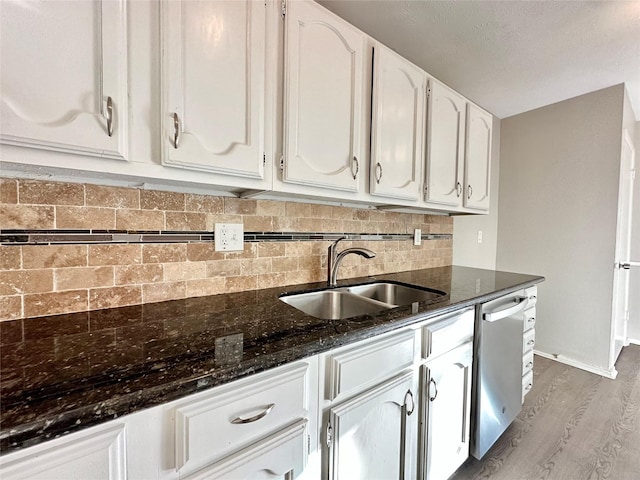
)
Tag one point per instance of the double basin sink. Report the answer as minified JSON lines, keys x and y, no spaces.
{"x":352,"y":301}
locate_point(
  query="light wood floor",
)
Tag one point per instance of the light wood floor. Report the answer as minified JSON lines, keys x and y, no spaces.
{"x":574,"y":425}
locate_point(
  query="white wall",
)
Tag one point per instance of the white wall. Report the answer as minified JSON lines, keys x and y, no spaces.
{"x":466,"y":249}
{"x":559,"y":169}
{"x":634,"y":287}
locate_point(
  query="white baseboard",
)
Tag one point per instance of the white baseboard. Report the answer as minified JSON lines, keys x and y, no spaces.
{"x":612,"y":373}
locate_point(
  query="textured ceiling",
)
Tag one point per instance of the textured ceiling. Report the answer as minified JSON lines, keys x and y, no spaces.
{"x":510,"y":56}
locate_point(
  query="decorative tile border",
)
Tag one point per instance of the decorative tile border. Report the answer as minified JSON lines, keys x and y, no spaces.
{"x":82,"y":237}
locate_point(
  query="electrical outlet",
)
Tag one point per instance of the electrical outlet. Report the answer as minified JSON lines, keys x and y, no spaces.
{"x":229,"y":237}
{"x":479,"y":236}
{"x":417,"y":237}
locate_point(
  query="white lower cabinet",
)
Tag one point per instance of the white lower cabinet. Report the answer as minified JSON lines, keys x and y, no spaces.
{"x":96,"y":453}
{"x":446,"y":393}
{"x":373,"y":435}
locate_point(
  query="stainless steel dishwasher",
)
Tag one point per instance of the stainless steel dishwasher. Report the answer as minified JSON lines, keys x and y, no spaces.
{"x":497,"y":379}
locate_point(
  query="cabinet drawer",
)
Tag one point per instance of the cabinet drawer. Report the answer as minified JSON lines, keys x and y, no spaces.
{"x":528,"y":340}
{"x":527,"y":362}
{"x":527,"y":384}
{"x":362,"y":366}
{"x":532,"y":294}
{"x":230,"y":417}
{"x":280,"y":452}
{"x":529,"y":318}
{"x":448,"y":333}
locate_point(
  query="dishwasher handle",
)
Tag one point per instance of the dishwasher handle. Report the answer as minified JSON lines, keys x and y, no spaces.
{"x":521,"y":303}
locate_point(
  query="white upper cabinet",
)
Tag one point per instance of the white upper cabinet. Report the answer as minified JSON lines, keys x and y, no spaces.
{"x":213,"y":89}
{"x":397,"y":126}
{"x":323,"y":96}
{"x":478,"y":162}
{"x":64,"y":76}
{"x":445,"y":146}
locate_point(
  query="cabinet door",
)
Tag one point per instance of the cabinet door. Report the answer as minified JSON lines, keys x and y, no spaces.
{"x":214,"y":86}
{"x":323,"y":99}
{"x":445,"y":146}
{"x":64,"y":76}
{"x":374,"y":434}
{"x":447,"y":400}
{"x":97,"y":453}
{"x":280,"y":456}
{"x":478,"y":162}
{"x":397,"y":126}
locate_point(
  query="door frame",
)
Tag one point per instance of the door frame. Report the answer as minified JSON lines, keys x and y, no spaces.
{"x":621,"y":277}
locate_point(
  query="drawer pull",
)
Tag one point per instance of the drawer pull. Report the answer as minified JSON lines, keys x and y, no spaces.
{"x":529,"y":365}
{"x":255,"y":418}
{"x":528,"y":387}
{"x":531,"y":342}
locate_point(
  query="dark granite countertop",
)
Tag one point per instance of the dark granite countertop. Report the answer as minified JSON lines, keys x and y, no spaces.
{"x":67,"y":372}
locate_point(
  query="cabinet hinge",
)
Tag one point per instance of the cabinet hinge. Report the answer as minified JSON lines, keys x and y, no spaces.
{"x":264,"y":159}
{"x":283,"y":9}
{"x":329,"y":435}
{"x":282,"y":163}
{"x":308,"y":444}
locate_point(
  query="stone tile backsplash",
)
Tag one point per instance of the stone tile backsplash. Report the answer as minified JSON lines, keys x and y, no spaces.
{"x":37,"y":280}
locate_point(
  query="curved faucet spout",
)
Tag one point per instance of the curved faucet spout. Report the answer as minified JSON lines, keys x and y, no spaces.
{"x":334,"y":259}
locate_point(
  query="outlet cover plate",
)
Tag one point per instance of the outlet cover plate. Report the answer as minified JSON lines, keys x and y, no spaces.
{"x":229,"y":237}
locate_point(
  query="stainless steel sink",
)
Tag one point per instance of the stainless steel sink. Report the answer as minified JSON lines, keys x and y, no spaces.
{"x":394,"y":293}
{"x":346,"y":302}
{"x":333,"y":304}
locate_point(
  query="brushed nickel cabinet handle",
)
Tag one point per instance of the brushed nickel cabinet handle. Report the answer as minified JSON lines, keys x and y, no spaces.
{"x":378,"y":172}
{"x":255,"y":418}
{"x":109,"y":116}
{"x":435,"y":385}
{"x":469,"y":191}
{"x":176,"y":130}
{"x":355,"y":160}
{"x":413,"y":405}
{"x":458,"y":189}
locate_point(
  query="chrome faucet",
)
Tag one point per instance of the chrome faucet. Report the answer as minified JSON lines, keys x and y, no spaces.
{"x":334,"y":258}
